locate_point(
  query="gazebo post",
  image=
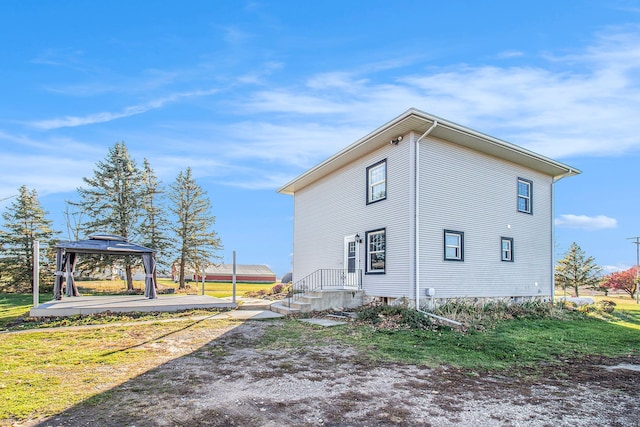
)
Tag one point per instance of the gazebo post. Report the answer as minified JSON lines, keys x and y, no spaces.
{"x":57,"y":286}
{"x":36,"y":274}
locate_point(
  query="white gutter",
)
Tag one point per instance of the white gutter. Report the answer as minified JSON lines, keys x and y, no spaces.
{"x":417,"y":211}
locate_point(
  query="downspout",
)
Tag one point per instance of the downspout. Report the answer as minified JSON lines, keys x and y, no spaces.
{"x":417,"y":211}
{"x":553,"y":230}
{"x":417,"y":228}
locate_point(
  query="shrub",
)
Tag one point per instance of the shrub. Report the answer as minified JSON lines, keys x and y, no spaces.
{"x":279,"y":290}
{"x":480,"y":315}
{"x":606,"y":306}
{"x":389,"y":317}
{"x":588,"y":308}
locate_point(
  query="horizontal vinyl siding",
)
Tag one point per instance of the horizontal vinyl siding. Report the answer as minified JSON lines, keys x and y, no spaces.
{"x":336,"y":206}
{"x":466,"y":191}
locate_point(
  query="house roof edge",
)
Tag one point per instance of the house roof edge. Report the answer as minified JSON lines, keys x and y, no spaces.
{"x":467,"y":137}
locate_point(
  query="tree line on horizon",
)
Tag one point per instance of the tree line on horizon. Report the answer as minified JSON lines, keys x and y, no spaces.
{"x":120,"y":198}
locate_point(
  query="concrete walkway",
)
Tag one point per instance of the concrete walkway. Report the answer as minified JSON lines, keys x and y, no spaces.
{"x":69,"y":306}
{"x":248,"y":315}
{"x":250,"y":309}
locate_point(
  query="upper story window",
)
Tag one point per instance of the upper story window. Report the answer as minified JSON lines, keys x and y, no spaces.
{"x":376,"y":251}
{"x":506,"y":249}
{"x":453,"y":245}
{"x":525,"y":196}
{"x":377,"y":182}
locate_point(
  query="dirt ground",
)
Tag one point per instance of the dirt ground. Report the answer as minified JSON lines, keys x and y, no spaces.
{"x":232,"y":381}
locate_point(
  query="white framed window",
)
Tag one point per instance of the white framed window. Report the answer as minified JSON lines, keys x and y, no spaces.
{"x":377,"y":182}
{"x":525,"y":196}
{"x":453,"y":245}
{"x":506,"y":249}
{"x":376,"y":251}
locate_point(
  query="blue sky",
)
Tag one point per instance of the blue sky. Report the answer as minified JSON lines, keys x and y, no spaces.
{"x":251,"y":94}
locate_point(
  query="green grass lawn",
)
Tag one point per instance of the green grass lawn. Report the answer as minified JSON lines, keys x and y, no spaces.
{"x":46,"y":372}
{"x":510,"y":344}
{"x":627,"y":312}
{"x":13,"y":306}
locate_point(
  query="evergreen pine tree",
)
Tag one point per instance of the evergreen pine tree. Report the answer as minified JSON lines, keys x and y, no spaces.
{"x":112,"y":199}
{"x":154,"y":227}
{"x":196,"y":241}
{"x":576,"y":270}
{"x":25,"y":222}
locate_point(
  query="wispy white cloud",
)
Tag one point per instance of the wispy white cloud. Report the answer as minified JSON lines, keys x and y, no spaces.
{"x":545,"y":108}
{"x":608,"y":269}
{"x":45,"y":173}
{"x":259,"y":181}
{"x":510,"y":54}
{"x":286,"y":101}
{"x":340,"y":80}
{"x":73,"y":121}
{"x":285,"y":145}
{"x":585,"y":222}
{"x":48,"y":165}
{"x":107,"y":82}
{"x":561,"y":107}
{"x":67,"y":58}
{"x":21,"y":141}
{"x":235,"y":35}
{"x":257,"y":76}
{"x":56,"y":147}
{"x":203,"y":166}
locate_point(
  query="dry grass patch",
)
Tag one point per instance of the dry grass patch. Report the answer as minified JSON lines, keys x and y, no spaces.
{"x":43,"y":373}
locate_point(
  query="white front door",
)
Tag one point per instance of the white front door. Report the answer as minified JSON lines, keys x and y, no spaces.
{"x":351,"y":261}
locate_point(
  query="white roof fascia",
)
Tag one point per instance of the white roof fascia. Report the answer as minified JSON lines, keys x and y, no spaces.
{"x":419,"y":121}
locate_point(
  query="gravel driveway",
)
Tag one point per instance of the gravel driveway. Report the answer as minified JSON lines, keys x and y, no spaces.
{"x":235,"y":381}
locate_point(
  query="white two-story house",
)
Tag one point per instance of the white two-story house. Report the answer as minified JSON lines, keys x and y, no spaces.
{"x":426,"y":208}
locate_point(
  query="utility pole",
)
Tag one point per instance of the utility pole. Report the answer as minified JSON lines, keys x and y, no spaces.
{"x":637,"y":242}
{"x":234,"y":277}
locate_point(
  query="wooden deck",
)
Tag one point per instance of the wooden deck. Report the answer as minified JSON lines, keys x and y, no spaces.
{"x":69,"y":306}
